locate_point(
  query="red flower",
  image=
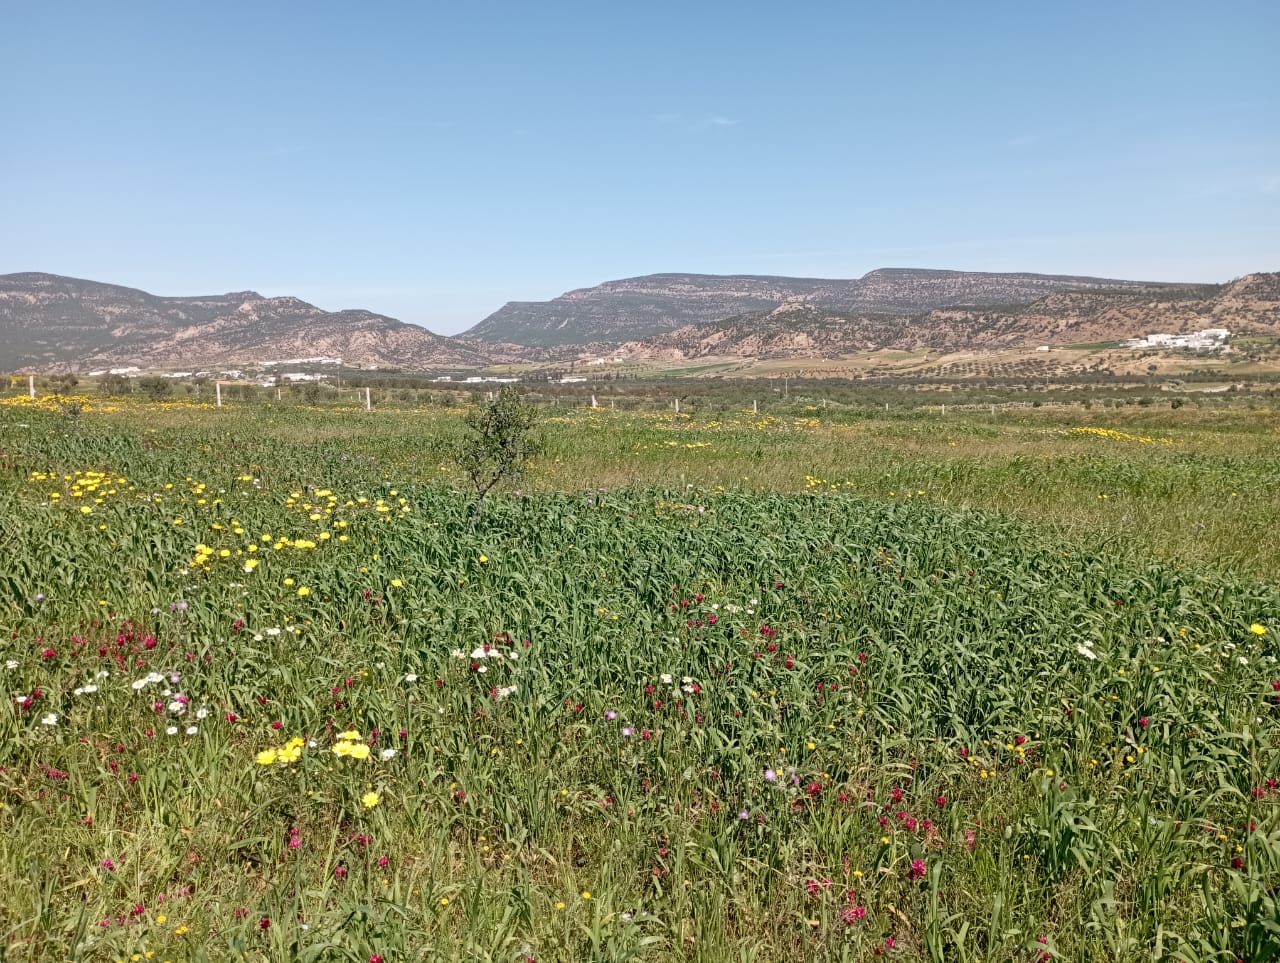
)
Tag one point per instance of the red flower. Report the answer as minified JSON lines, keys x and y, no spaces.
{"x":851,"y":914}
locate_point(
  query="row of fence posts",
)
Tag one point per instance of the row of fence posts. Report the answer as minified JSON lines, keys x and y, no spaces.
{"x":368,"y":398}
{"x":217,"y":387}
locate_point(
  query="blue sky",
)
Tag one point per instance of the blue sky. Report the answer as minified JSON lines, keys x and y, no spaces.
{"x":432,"y":161}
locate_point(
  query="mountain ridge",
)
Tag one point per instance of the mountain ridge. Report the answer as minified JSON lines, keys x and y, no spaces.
{"x":54,"y":323}
{"x":638,"y":307}
{"x":1249,"y":305}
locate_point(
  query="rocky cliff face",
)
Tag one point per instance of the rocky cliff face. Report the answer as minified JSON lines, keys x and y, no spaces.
{"x":48,"y":322}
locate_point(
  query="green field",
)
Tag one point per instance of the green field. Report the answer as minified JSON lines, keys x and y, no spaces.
{"x":803,"y":685}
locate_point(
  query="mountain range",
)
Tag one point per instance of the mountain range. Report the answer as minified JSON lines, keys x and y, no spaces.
{"x":49,"y":322}
{"x":637,"y":308}
{"x":54,"y":323}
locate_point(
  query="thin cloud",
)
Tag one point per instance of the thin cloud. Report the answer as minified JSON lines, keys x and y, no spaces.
{"x":694,"y":122}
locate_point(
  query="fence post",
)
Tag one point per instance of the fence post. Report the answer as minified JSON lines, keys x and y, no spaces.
{"x":368,"y":401}
{"x":31,"y":385}
{"x":217,"y":387}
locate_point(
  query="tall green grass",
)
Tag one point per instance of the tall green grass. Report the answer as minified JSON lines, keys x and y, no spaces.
{"x":828,"y":723}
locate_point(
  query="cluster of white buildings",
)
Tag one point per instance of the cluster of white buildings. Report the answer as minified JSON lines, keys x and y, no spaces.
{"x":1208,"y":339}
{"x":478,"y":380}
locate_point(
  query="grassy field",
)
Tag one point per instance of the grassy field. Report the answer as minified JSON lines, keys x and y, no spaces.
{"x":804,"y":685}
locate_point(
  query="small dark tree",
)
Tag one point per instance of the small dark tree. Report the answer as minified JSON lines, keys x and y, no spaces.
{"x":498,"y":437}
{"x":114,"y":384}
{"x":155,"y":387}
{"x":62,"y":384}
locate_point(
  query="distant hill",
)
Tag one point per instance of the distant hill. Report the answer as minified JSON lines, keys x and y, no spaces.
{"x":49,"y":322}
{"x":637,"y":308}
{"x":1249,"y":305}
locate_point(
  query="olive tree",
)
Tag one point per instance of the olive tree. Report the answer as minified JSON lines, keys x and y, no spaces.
{"x":497,"y":439}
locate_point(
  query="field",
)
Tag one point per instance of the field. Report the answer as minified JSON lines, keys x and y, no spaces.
{"x":803,"y":684}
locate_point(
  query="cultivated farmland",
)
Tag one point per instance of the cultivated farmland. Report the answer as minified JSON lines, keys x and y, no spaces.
{"x":804,"y":685}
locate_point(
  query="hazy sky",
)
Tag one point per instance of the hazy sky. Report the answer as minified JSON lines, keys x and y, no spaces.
{"x":431,"y":161}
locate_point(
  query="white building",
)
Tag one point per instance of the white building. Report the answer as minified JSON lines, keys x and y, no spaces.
{"x":1207,"y":339}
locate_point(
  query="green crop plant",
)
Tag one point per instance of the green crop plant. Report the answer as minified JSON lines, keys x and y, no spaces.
{"x":268,"y":693}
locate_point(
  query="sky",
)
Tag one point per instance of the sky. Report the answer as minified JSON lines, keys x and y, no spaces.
{"x":433,"y":161}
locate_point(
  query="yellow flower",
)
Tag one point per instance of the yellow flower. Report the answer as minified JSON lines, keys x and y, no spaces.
{"x":303,"y":590}
{"x":586,"y":894}
{"x":162,"y":918}
{"x":181,"y":929}
{"x":559,"y":904}
{"x":396,"y":583}
{"x":266,"y":757}
{"x":359,"y":751}
{"x":444,"y":901}
{"x":288,"y":581}
{"x":1257,"y":628}
{"x":370,"y":799}
{"x":351,"y":735}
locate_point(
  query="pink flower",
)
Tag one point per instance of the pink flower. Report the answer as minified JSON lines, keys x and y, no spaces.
{"x":851,"y":914}
{"x":917,"y":869}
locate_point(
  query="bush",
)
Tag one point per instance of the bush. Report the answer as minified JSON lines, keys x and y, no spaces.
{"x":497,"y":440}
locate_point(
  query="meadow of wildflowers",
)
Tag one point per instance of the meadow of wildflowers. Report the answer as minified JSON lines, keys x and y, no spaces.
{"x":268,"y":700}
